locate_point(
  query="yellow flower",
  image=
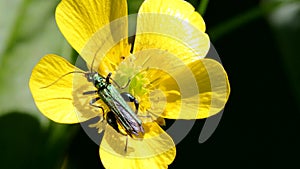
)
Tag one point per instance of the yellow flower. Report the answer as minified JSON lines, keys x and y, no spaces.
{"x":168,"y":74}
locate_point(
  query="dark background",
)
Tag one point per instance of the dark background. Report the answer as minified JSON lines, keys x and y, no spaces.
{"x":259,"y":45}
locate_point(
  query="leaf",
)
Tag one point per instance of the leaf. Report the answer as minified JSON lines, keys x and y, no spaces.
{"x":28,"y":32}
{"x":134,"y":5}
{"x":285,"y":23}
{"x":24,"y":143}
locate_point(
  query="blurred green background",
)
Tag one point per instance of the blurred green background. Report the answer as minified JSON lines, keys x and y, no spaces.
{"x":258,"y":42}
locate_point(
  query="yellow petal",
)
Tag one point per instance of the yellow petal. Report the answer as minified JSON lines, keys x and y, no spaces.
{"x":177,"y":8}
{"x":173,"y":26}
{"x":79,"y":20}
{"x":52,"y":90}
{"x":155,"y":150}
{"x":198,"y":91}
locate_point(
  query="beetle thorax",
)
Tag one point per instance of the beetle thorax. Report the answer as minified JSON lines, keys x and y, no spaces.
{"x":99,"y":81}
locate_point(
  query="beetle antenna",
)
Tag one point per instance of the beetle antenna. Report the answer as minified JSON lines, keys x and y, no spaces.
{"x":92,"y":65}
{"x":62,"y":77}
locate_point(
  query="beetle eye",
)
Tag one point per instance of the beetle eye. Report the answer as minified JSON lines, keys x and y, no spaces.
{"x":89,"y":77}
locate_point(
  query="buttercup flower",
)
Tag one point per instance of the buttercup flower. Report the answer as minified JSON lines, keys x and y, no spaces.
{"x":166,"y":72}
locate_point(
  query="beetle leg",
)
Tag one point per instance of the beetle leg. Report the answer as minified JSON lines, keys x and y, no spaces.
{"x":129,"y":98}
{"x":90,"y":92}
{"x":115,"y":83}
{"x":95,"y":100}
{"x":126,"y":144}
{"x":108,"y":77}
{"x":121,"y":87}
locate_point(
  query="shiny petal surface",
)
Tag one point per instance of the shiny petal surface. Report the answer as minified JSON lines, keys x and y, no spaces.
{"x":177,"y":8}
{"x":52,"y":89}
{"x":173,"y":26}
{"x":155,"y":150}
{"x":206,"y":98}
{"x":79,"y":20}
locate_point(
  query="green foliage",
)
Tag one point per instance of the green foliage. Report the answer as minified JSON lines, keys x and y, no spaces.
{"x":285,"y":23}
{"x":28,"y":31}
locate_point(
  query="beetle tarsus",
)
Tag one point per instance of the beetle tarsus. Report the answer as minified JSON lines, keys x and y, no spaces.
{"x":90,"y":92}
{"x":126,"y":144}
{"x":95,"y":100}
